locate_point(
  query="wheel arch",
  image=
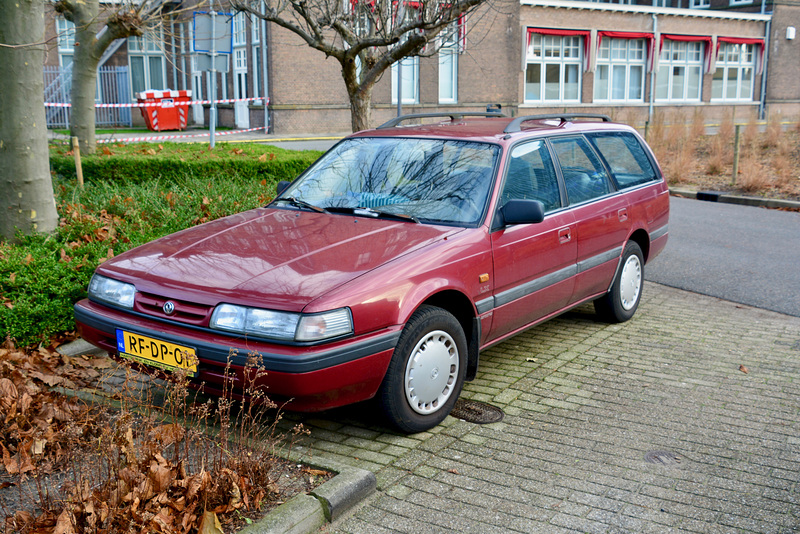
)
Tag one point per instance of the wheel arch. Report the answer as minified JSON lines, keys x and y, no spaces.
{"x":642,"y":238}
{"x":462,"y":308}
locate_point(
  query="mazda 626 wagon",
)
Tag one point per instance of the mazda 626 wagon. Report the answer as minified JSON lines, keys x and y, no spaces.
{"x":387,"y":267}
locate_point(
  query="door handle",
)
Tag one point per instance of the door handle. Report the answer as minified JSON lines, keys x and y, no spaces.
{"x":623,"y":215}
{"x":564,"y":235}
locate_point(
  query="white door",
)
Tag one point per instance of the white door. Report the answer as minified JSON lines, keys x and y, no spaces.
{"x":240,"y":108}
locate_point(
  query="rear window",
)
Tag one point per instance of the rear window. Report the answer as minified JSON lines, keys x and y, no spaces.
{"x":626,"y":158}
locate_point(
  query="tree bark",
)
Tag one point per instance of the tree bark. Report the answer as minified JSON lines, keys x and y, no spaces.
{"x":360,"y":109}
{"x":84,"y":75}
{"x":27,"y":203}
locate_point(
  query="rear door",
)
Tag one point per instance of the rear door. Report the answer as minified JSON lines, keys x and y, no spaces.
{"x":534,"y":264}
{"x":601,"y":215}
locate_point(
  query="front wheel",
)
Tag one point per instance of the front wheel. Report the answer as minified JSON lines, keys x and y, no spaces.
{"x":620,"y":303}
{"x":427,"y":371}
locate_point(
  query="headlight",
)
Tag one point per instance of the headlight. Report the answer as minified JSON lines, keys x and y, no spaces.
{"x":112,"y":291}
{"x":281,"y":325}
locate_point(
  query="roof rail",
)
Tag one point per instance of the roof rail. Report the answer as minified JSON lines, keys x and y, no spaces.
{"x":516,"y":124}
{"x":453,"y":117}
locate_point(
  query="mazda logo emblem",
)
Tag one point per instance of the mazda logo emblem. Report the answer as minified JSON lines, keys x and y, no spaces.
{"x":169,"y":307}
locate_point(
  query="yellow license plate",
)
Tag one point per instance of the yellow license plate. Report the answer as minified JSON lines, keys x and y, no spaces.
{"x":156,"y":352}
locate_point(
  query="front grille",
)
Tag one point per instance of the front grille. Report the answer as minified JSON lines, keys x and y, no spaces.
{"x":185,"y":312}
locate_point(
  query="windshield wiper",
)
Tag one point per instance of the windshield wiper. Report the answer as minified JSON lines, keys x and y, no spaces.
{"x":300,"y":204}
{"x":370,"y":212}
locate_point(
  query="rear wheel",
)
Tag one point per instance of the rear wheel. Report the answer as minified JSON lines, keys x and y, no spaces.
{"x":427,"y":371}
{"x":621,"y":302}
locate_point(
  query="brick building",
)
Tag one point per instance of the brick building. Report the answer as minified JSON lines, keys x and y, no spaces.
{"x":630,"y":60}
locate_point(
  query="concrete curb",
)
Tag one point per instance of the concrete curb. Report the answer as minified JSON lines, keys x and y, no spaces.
{"x":303,"y":513}
{"x":719,"y":196}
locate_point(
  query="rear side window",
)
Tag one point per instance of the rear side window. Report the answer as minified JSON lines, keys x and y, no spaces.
{"x":583,"y":172}
{"x":625,"y":157}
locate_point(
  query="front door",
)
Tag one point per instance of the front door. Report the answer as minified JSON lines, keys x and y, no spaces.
{"x":534,"y":264}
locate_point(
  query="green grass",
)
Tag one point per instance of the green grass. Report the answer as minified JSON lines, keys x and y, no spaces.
{"x":43,"y":276}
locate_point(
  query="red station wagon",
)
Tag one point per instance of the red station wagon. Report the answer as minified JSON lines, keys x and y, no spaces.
{"x":394,"y":260}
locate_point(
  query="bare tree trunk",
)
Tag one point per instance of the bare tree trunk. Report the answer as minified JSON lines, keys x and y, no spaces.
{"x":360,"y":109}
{"x":84,"y":76}
{"x":26,"y":189}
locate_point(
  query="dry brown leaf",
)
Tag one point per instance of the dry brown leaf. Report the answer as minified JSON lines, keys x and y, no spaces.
{"x":315,"y":472}
{"x":28,"y":259}
{"x":65,"y":522}
{"x":210,"y":524}
{"x":743,"y":369}
{"x":168,"y":434}
{"x":13,"y":277}
{"x":8,"y":389}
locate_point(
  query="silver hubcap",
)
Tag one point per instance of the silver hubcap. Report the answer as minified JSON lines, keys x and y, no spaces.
{"x":431,"y":372}
{"x":630,"y":282}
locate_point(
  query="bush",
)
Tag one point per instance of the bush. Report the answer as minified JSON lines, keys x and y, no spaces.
{"x":174,"y":161}
{"x":149,"y":195}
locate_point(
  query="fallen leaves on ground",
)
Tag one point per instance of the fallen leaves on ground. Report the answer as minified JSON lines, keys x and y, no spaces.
{"x":38,"y":424}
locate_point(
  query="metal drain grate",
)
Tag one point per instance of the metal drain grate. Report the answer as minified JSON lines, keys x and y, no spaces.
{"x":477,"y":412}
{"x":662,"y":458}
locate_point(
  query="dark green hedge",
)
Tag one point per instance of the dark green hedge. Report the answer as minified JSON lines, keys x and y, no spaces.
{"x":172,"y":161}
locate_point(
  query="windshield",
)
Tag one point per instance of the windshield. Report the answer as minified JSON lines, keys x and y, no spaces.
{"x":428,"y":179}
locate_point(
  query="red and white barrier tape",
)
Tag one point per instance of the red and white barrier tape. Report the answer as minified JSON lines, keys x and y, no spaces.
{"x":156,"y":104}
{"x":166,"y":137}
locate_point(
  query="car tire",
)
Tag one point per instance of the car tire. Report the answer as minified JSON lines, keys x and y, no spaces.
{"x":426,"y":373}
{"x":622,"y":300}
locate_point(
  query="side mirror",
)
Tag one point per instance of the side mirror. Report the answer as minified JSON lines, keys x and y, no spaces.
{"x":520,"y":211}
{"x":282,"y":186}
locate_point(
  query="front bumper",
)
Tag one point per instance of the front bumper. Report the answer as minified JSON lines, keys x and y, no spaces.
{"x":314,"y":377}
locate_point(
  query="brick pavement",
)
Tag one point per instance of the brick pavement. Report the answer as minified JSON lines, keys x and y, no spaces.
{"x":584,"y":402}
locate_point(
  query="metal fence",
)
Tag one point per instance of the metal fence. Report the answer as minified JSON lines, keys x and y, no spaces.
{"x":113,"y":87}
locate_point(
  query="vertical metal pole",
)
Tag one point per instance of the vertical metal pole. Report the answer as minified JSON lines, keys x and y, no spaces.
{"x":400,"y":88}
{"x":264,"y":70}
{"x":212,"y":116}
{"x":762,"y":104}
{"x":736,"y":143}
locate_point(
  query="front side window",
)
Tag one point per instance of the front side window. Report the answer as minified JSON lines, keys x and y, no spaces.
{"x":680,"y":71}
{"x":531,"y":176}
{"x":620,"y":70}
{"x":733,"y":79}
{"x":584,"y":175}
{"x":625,"y":157}
{"x":436,"y":181}
{"x":699,"y":4}
{"x":553,"y":71}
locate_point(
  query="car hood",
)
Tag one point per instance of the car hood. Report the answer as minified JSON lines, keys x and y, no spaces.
{"x":277,"y":258}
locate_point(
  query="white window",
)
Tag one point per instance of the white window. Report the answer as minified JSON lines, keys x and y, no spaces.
{"x":733,"y":79}
{"x":258,"y":64}
{"x":66,"y":40}
{"x":409,"y":73}
{"x":147,"y":62}
{"x":662,"y":3}
{"x":740,"y":2}
{"x":554,"y":65}
{"x":410,"y":79}
{"x":680,"y":71}
{"x":699,"y":4}
{"x":239,"y":30}
{"x":448,"y":64}
{"x":620,"y":70}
